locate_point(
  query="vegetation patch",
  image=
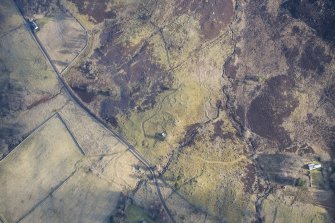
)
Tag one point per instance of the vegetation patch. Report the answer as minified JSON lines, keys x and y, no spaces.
{"x":281,"y":169}
{"x":97,"y":10}
{"x":317,"y":179}
{"x":318,"y":15}
{"x":136,"y":214}
{"x":268,"y":110}
{"x":214,"y":15}
{"x":314,"y":58}
{"x":275,"y":210}
{"x":210,"y":174}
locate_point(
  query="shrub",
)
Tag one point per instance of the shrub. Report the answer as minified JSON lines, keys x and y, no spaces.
{"x":300,"y":182}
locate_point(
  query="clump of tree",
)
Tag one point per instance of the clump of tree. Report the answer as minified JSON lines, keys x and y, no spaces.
{"x":88,"y":69}
{"x":119,"y":215}
{"x":300,"y":182}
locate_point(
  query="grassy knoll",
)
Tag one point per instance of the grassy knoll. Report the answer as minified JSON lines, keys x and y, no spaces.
{"x":275,"y":210}
{"x":211,"y":175}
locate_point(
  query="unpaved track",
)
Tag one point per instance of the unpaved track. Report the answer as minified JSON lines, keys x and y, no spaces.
{"x":76,"y":100}
{"x":224,"y":163}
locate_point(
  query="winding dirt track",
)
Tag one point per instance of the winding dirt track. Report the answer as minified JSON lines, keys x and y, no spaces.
{"x":76,"y":100}
{"x":224,"y":163}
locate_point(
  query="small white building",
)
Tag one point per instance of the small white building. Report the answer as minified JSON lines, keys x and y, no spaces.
{"x":313,"y":166}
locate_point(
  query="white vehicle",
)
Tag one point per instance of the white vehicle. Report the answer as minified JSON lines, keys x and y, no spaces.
{"x":34,"y":26}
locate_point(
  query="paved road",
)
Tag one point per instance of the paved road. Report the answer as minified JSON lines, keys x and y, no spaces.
{"x":72,"y":95}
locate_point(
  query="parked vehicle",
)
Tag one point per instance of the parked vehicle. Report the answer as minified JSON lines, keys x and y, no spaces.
{"x":34,"y":26}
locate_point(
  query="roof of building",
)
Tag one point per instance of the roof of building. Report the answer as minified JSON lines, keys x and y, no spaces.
{"x":313,"y":166}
